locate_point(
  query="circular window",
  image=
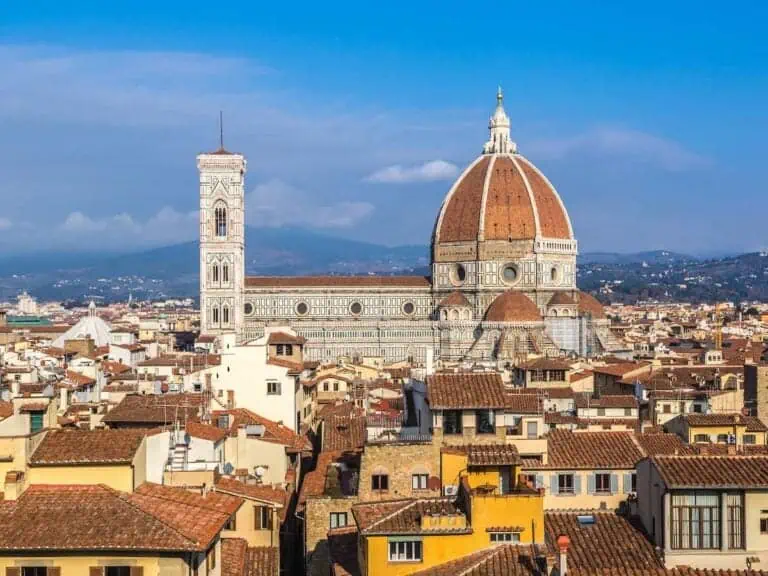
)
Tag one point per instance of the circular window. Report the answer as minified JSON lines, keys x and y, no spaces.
{"x":554,"y":274}
{"x":409,"y":308}
{"x":356,"y":308}
{"x":458,"y":274}
{"x":302,"y":308}
{"x":509,"y":274}
{"x":248,"y":308}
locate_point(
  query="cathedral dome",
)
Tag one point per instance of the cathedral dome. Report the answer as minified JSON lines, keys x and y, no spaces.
{"x":501,"y":196}
{"x":512,"y":306}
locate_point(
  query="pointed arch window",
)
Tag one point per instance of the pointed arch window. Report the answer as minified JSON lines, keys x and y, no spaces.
{"x":225,"y":315}
{"x":215,"y":273}
{"x":220,"y":220}
{"x":225,"y":273}
{"x":215,"y":314}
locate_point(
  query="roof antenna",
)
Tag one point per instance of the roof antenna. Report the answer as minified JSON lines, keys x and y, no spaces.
{"x":221,"y":130}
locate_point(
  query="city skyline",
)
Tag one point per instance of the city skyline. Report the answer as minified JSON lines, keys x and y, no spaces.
{"x":651,"y":134}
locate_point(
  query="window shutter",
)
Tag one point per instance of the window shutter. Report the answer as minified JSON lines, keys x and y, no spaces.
{"x":257,"y":517}
{"x":553,"y":484}
{"x":270,"y":515}
{"x":591,"y":483}
{"x":96,"y":571}
{"x":614,"y":483}
{"x":13,"y":571}
{"x":627,"y":483}
{"x":539,"y":481}
{"x":577,"y":483}
{"x":53,"y":571}
{"x":279,"y":388}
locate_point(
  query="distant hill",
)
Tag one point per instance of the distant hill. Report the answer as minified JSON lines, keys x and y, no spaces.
{"x":650,"y":257}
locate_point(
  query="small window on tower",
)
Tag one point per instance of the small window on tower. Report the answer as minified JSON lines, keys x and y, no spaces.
{"x":225,"y":315}
{"x":215,"y":314}
{"x":220,"y":217}
{"x":215,"y":273}
{"x":225,"y":273}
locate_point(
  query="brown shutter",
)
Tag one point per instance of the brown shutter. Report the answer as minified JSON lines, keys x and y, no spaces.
{"x":137,"y":571}
{"x":53,"y":571}
{"x":13,"y":571}
{"x":96,"y":571}
{"x":270,"y":514}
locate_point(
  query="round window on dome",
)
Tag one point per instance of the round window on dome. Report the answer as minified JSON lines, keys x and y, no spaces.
{"x":248,"y":308}
{"x":458,"y":274}
{"x":356,"y":308}
{"x":409,"y":308}
{"x":509,"y":274}
{"x":302,"y":308}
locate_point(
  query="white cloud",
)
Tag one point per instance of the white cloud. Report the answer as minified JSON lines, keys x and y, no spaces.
{"x":275,"y":203}
{"x":606,"y":141}
{"x":427,"y":172}
{"x":124,"y":231}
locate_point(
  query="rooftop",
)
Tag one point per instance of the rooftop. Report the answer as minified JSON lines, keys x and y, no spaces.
{"x":466,"y":390}
{"x":86,"y":447}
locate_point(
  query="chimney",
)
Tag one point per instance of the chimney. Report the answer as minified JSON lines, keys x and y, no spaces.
{"x":63,"y":398}
{"x":430,"y":361}
{"x":15,"y":483}
{"x":562,"y":543}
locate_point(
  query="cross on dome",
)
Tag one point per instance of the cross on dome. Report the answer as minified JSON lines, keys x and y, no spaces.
{"x":499,"y":141}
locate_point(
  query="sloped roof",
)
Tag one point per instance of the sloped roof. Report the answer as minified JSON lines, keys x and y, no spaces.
{"x":713,"y":471}
{"x":455,"y":298}
{"x":154,"y":409}
{"x":466,"y":390}
{"x":512,"y":306}
{"x":84,"y":447}
{"x":504,"y":560}
{"x":595,"y":450}
{"x":95,"y":517}
{"x":403,"y":516}
{"x":90,"y":326}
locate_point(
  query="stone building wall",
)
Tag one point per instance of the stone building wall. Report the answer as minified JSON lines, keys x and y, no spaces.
{"x":399,"y":461}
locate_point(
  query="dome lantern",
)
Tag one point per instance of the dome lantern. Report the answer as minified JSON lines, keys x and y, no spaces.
{"x":499,"y":141}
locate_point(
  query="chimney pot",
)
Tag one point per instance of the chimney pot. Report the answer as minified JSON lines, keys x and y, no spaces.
{"x":563,"y":541}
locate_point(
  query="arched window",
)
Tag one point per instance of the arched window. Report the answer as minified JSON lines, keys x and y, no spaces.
{"x":220,"y":218}
{"x":225,"y":315}
{"x":215,"y":314}
{"x":215,"y":273}
{"x":225,"y":273}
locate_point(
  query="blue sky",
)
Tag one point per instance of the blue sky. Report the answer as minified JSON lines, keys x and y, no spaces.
{"x":649,"y":118}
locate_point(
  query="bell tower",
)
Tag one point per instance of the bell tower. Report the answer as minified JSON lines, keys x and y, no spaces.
{"x":222,"y":241}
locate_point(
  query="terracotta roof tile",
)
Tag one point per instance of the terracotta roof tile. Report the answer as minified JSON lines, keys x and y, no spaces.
{"x":607,"y":401}
{"x":6,"y":409}
{"x":489,"y":454}
{"x":612,"y":450}
{"x":342,"y":543}
{"x":205,"y":431}
{"x":75,"y":447}
{"x":455,"y":298}
{"x":588,"y":304}
{"x":713,"y":471}
{"x":215,"y":501}
{"x":504,"y":560}
{"x":522,"y":401}
{"x":273,"y":431}
{"x":461,"y":212}
{"x":609,"y":545}
{"x":285,"y":338}
{"x":560,"y":298}
{"x":262,"y":492}
{"x":752,"y":423}
{"x":656,"y":444}
{"x":233,"y":554}
{"x":466,"y":390}
{"x":34,"y":407}
{"x":403,"y":516}
{"x":84,"y":518}
{"x":262,"y":561}
{"x":512,"y":306}
{"x":344,"y":432}
{"x":553,"y":220}
{"x":154,"y":409}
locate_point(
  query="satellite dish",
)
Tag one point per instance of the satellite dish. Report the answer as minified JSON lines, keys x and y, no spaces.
{"x":260,"y":471}
{"x":228,"y":468}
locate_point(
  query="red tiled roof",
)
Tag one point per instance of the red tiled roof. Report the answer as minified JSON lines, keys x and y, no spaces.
{"x":6,"y":409}
{"x":713,"y":471}
{"x":568,"y":449}
{"x":752,"y":423}
{"x":588,"y":304}
{"x":560,"y":299}
{"x":216,"y":501}
{"x":504,"y":560}
{"x":455,"y":298}
{"x":656,"y":444}
{"x":342,"y":544}
{"x":154,"y":409}
{"x":84,"y":518}
{"x":79,"y":379}
{"x":610,"y":545}
{"x":262,"y":492}
{"x":466,"y":390}
{"x":545,"y":364}
{"x":273,"y":431}
{"x":403,"y":516}
{"x":522,"y":401}
{"x":285,"y":338}
{"x":344,"y":432}
{"x":337,"y":281}
{"x":620,"y":369}
{"x":34,"y":407}
{"x":512,"y":306}
{"x":293,"y":367}
{"x":85,"y":447}
{"x":205,"y":431}
{"x":488,"y":454}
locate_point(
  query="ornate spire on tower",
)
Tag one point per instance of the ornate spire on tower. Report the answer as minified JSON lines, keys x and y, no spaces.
{"x":499,"y":142}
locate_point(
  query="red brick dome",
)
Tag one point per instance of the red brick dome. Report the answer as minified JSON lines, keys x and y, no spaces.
{"x":502,"y":197}
{"x":512,"y":306}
